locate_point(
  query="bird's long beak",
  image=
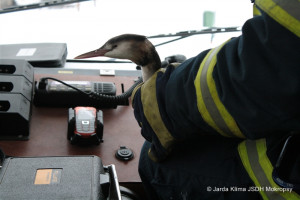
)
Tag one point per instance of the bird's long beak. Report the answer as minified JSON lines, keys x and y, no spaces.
{"x":91,"y":54}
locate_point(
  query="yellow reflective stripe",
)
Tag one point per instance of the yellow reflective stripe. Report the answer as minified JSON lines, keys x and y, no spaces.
{"x":134,"y":91}
{"x":268,"y":169}
{"x":242,"y":149}
{"x":200,"y":104}
{"x":285,"y":12}
{"x":151,"y":111}
{"x":209,"y":104}
{"x":230,"y":122}
{"x":256,"y":12}
{"x":255,"y":160}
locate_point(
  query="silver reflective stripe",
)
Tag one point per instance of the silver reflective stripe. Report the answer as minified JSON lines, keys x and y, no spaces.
{"x":207,"y":98}
{"x":292,"y":6}
{"x":259,"y":172}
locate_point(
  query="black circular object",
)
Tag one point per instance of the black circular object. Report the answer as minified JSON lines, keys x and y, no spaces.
{"x":124,"y":153}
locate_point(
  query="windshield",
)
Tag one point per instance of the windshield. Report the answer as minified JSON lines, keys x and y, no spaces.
{"x":87,"y":25}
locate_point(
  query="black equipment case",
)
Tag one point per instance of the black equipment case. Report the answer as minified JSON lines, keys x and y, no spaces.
{"x":54,"y":178}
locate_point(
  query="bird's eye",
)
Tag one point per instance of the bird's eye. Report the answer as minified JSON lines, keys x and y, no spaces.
{"x":114,"y":46}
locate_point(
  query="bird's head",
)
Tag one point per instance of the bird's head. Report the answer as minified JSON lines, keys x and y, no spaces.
{"x":136,"y":48}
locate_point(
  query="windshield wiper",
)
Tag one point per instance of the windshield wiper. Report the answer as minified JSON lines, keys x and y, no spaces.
{"x":185,"y":34}
{"x":14,"y":8}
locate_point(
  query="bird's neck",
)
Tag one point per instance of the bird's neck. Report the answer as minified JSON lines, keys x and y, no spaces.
{"x":152,"y":63}
{"x":149,"y":69}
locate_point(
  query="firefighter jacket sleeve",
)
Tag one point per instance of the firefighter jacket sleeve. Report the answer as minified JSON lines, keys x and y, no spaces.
{"x":247,"y":87}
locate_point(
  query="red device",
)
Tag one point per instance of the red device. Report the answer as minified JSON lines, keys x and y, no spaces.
{"x":85,"y":125}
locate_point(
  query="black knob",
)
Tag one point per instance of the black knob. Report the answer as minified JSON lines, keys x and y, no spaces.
{"x":124,"y":153}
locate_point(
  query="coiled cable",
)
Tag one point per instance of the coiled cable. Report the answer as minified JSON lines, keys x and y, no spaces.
{"x":121,"y":99}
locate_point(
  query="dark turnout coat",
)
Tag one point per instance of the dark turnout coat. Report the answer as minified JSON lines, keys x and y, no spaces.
{"x":247,"y":88}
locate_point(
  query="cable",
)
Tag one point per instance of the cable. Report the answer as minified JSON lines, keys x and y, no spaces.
{"x":43,"y":83}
